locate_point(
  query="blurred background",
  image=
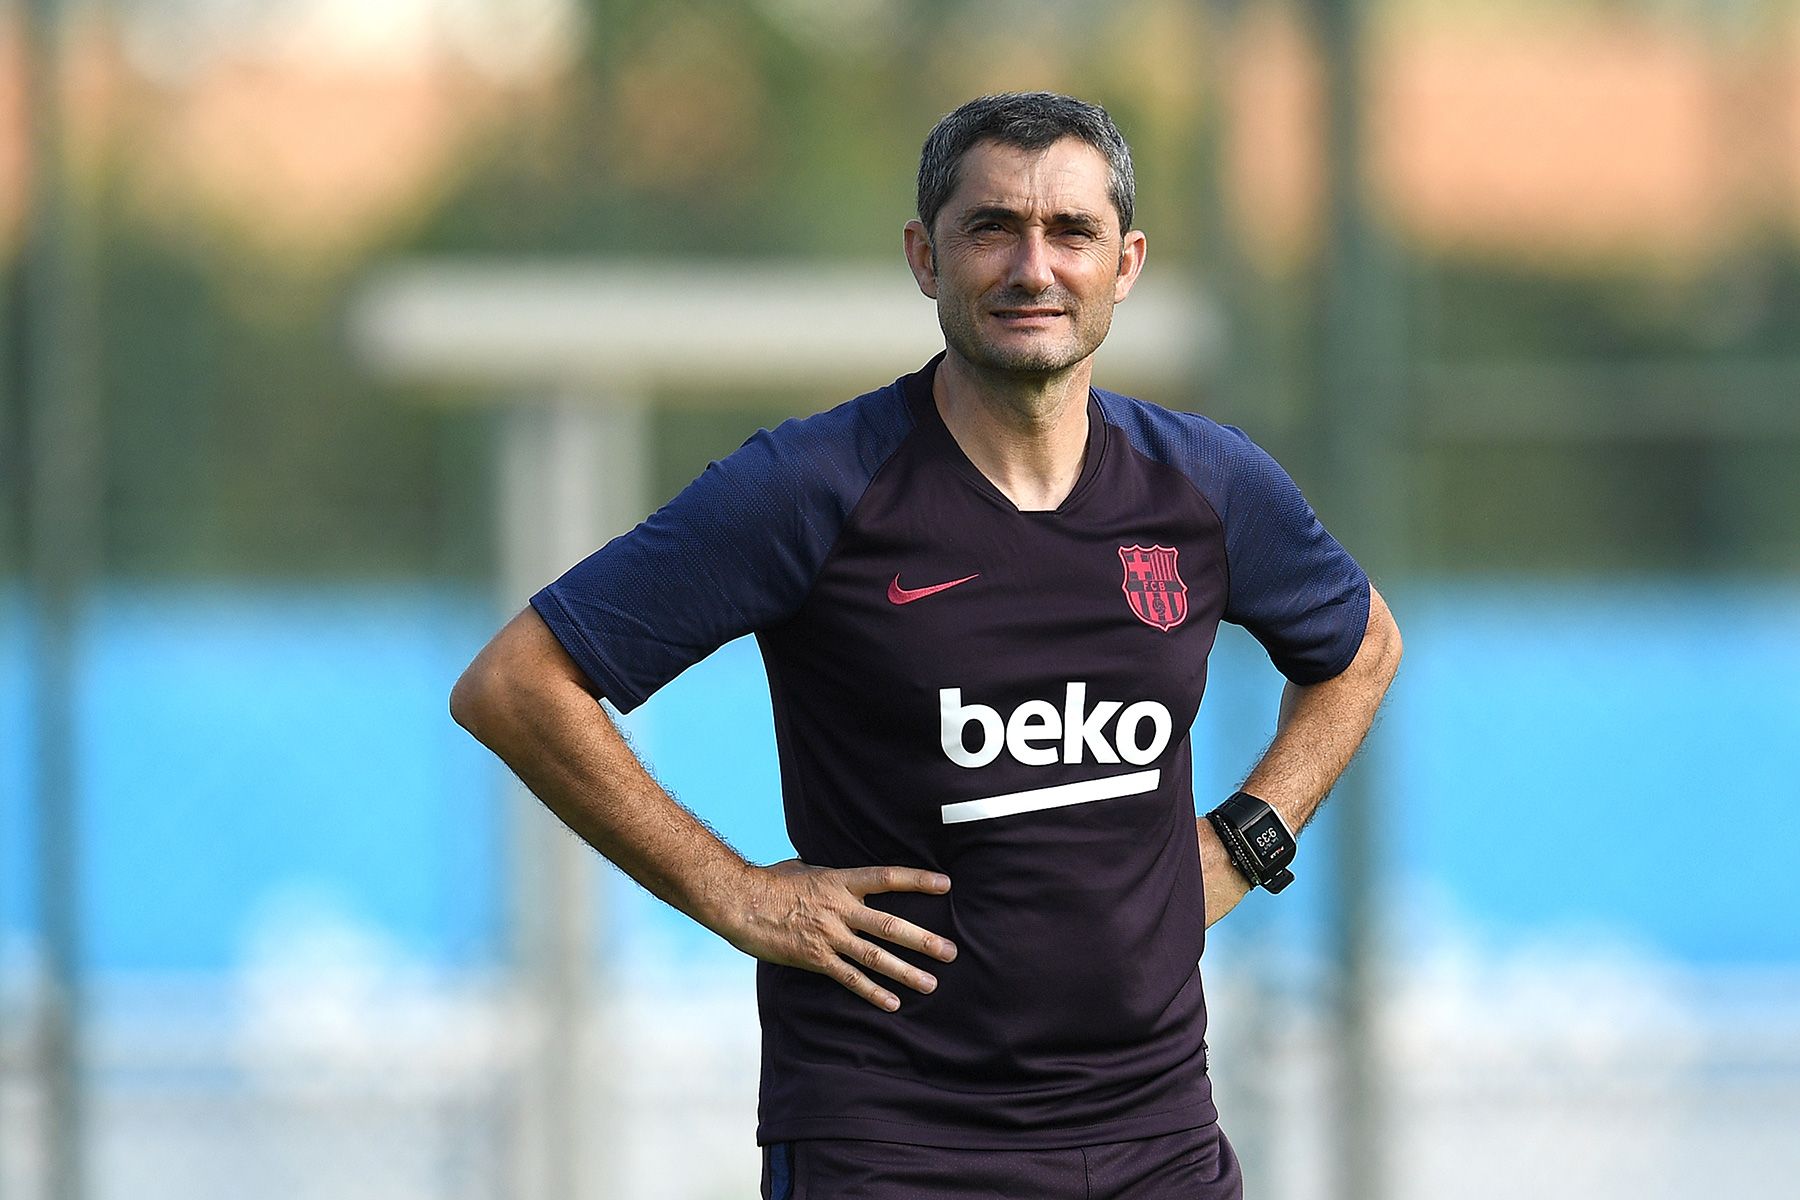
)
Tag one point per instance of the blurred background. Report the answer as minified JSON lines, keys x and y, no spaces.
{"x":334,"y":329}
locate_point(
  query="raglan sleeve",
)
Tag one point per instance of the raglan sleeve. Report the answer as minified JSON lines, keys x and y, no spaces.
{"x":1292,"y":585}
{"x":734,"y":552}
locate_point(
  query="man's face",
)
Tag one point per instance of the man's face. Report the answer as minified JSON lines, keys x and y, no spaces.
{"x":1026,"y":259}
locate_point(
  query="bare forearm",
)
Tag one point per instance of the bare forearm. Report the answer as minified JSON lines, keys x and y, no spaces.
{"x":1322,"y":724}
{"x":525,"y":699}
{"x":1316,"y":735}
{"x":560,"y":742}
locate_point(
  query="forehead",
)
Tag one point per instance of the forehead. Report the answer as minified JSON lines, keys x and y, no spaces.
{"x":1066,"y":176}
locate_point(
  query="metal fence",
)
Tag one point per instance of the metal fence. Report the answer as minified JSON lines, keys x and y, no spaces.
{"x":1565,"y":1081}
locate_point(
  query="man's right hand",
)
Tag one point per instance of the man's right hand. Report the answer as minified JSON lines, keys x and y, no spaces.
{"x":810,"y":917}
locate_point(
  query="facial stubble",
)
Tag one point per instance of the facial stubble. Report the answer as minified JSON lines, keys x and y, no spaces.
{"x":962,"y":327}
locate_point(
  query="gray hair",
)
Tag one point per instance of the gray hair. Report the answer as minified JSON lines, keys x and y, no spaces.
{"x":1029,"y":121}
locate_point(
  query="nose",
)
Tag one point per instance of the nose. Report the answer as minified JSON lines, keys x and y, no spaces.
{"x":1030,"y":267}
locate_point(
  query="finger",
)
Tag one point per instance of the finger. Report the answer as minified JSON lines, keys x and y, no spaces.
{"x":861,"y":984}
{"x":889,"y":928}
{"x":864,"y":880}
{"x":873,"y":957}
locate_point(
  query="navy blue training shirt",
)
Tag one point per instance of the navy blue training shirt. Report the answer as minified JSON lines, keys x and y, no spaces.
{"x":998,"y":695}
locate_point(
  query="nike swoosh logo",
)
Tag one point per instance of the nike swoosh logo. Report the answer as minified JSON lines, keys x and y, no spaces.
{"x":900,"y":595}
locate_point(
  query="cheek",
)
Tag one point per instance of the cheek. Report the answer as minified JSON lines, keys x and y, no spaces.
{"x":968,"y":287}
{"x":1102,"y":261}
{"x":1094,"y":277}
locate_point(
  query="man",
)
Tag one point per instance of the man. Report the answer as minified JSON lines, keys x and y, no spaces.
{"x":985,"y":595}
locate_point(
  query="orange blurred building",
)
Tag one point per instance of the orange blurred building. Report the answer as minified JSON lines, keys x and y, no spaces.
{"x":1563,"y":137}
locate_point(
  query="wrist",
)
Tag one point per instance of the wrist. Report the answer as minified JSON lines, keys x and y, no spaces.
{"x":1224,"y":887}
{"x":1256,"y":840}
{"x":723,"y":898}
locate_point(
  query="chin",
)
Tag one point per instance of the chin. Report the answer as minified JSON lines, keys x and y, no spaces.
{"x":1029,"y":358}
{"x":1035,"y":365}
{"x":1034,"y":360}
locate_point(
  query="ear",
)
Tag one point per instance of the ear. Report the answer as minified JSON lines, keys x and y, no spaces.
{"x":1131,"y":262}
{"x":919,"y":257}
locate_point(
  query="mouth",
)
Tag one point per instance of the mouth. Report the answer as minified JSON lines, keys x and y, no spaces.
{"x":1022,"y":315}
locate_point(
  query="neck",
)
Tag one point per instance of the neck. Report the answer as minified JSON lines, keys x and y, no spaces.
{"x":1026,"y":433}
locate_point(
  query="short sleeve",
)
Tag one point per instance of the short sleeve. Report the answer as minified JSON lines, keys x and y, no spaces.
{"x":1291,"y":584}
{"x":736,"y":552}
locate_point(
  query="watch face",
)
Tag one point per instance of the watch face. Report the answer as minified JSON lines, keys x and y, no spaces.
{"x":1267,"y":838}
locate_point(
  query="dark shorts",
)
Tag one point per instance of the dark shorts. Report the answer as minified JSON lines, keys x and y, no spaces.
{"x":1195,"y":1164}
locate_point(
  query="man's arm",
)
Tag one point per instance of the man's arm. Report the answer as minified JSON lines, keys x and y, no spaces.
{"x":1317,"y":734}
{"x":525,"y":699}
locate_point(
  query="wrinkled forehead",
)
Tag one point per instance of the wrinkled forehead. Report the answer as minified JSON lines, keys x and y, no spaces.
{"x":1067,"y":176}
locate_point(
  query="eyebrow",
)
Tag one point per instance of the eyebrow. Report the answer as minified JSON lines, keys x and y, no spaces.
{"x":997,"y":212}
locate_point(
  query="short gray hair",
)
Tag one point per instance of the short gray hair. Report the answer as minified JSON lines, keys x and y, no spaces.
{"x":1029,"y":121}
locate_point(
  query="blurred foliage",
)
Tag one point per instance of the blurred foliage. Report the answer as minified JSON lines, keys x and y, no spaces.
{"x":243,"y":437}
{"x":239,"y":443}
{"x":791,"y":127}
{"x":1666,"y":506}
{"x":1747,"y":304}
{"x":1718,"y":500}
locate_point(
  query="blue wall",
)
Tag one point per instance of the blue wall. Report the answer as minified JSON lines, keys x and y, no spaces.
{"x":242,"y":742}
{"x":1622,"y":758}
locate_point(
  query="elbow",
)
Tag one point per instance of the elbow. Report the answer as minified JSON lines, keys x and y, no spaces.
{"x":1391,"y":649}
{"x":464,"y":700}
{"x":1383,"y":643}
{"x":505,"y":690}
{"x":473,"y":698}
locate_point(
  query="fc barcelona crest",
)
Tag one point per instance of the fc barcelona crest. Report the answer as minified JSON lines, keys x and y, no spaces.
{"x":1153,"y":585}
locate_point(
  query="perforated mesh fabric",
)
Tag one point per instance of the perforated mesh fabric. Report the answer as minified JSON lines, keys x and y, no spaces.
{"x":1291,"y":584}
{"x":735,"y":552}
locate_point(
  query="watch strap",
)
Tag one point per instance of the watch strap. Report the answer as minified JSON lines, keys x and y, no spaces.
{"x":1256,"y":840}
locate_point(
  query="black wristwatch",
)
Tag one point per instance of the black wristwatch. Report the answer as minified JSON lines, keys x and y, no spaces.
{"x":1257,"y":840}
